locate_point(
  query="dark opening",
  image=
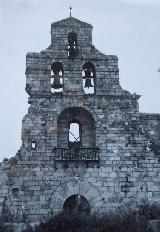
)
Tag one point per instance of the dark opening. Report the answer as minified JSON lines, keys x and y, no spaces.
{"x":88,"y":76}
{"x":56,"y":77}
{"x":72,"y":45}
{"x":77,"y":204}
{"x":15,"y":192}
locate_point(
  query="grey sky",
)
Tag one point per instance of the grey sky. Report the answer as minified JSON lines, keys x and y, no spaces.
{"x":144,"y":2}
{"x":129,"y":29}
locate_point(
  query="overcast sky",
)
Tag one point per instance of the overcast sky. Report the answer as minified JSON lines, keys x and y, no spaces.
{"x":129,"y":29}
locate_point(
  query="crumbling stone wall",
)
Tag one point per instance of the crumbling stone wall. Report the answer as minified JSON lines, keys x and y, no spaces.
{"x":34,"y":185}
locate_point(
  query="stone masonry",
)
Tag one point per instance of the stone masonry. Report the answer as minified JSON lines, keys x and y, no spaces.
{"x":116,"y":160}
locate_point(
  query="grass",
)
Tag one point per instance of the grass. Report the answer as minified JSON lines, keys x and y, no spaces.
{"x":119,"y":222}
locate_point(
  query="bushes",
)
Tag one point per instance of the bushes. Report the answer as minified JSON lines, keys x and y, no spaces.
{"x":123,"y":220}
{"x":119,"y":222}
{"x":150,"y":211}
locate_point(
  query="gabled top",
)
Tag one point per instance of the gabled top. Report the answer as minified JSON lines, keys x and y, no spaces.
{"x":73,"y":65}
{"x":70,"y":20}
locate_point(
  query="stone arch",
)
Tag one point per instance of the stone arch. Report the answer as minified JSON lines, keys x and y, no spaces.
{"x":78,"y":104}
{"x":86,"y":121}
{"x":73,"y":187}
{"x":77,"y":204}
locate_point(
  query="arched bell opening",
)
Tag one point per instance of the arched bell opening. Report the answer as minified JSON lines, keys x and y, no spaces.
{"x":88,"y":76}
{"x":56,"y":77}
{"x":72,"y":45}
{"x":79,"y":123}
{"x":77,"y":204}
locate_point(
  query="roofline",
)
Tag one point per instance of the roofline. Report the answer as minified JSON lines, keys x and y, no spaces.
{"x":56,"y":24}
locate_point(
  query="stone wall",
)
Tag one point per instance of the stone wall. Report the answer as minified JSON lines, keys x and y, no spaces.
{"x":34,"y":185}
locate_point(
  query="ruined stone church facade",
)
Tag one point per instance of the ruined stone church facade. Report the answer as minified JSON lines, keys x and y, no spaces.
{"x":85,"y":145}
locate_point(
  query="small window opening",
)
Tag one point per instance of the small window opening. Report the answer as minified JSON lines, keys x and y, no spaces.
{"x":33,"y":145}
{"x":149,"y":145}
{"x":72,"y":45}
{"x":15,"y":192}
{"x":88,"y":76}
{"x":74,"y":135}
{"x":56,"y":77}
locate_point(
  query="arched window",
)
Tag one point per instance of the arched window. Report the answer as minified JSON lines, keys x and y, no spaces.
{"x":56,"y":77}
{"x":72,"y":45}
{"x":84,"y":132}
{"x":88,"y":76}
{"x":74,"y":137}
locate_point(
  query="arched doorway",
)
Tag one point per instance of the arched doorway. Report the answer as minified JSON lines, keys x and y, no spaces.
{"x":77,"y":204}
{"x":61,"y":196}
